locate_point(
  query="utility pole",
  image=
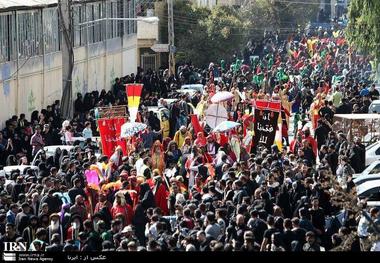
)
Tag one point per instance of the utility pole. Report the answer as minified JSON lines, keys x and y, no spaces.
{"x":171,"y":38}
{"x":65,"y":15}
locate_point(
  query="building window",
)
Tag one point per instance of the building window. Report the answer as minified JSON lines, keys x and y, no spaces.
{"x":134,"y":16}
{"x":6,"y":29}
{"x":131,"y":14}
{"x":112,"y":25}
{"x":98,"y":36}
{"x":94,"y":12}
{"x":90,"y":27}
{"x":79,"y":16}
{"x":126,"y":14}
{"x":52,"y":37}
{"x":29,"y":34}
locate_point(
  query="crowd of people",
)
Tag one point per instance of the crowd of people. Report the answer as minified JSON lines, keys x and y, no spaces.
{"x":200,"y":191}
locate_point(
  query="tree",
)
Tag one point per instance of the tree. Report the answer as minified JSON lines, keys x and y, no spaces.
{"x":281,"y":16}
{"x":203,"y":35}
{"x":363,"y":30}
{"x":219,"y":34}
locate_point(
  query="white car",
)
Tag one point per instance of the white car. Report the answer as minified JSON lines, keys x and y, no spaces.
{"x":372,"y":153}
{"x":371,"y":191}
{"x":8,"y":169}
{"x":50,"y":150}
{"x":81,"y":139}
{"x":192,"y":109}
{"x":365,"y":178}
{"x":190,"y":92}
{"x":372,"y":169}
{"x":374,"y":107}
{"x":370,"y":138}
{"x":197,"y":87}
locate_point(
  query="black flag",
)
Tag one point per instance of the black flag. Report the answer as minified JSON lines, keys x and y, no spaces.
{"x":265,"y":127}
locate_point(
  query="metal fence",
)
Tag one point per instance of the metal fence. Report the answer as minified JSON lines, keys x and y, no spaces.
{"x":52,"y":38}
{"x":28,"y":33}
{"x":6,"y":28}
{"x":149,"y":61}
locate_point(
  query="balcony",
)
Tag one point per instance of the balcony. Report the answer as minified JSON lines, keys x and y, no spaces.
{"x":147,"y":31}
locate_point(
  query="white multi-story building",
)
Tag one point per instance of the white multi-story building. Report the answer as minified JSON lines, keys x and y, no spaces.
{"x":31,"y":58}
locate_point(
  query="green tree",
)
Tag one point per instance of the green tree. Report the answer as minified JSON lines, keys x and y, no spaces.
{"x":363,"y":30}
{"x":186,"y":27}
{"x":203,"y":35}
{"x":216,"y":35}
{"x":281,"y":16}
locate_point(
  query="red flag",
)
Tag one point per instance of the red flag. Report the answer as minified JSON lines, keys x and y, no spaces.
{"x":118,"y":122}
{"x":247,"y":121}
{"x":222,"y":139}
{"x":107,"y":136}
{"x":265,"y":104}
{"x":161,"y":199}
{"x":196,"y":125}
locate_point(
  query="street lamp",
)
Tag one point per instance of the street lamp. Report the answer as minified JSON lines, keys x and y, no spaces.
{"x":150,"y":20}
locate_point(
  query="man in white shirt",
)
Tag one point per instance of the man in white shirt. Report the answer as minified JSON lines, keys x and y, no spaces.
{"x":337,"y":97}
{"x":140,"y":164}
{"x":363,"y":226}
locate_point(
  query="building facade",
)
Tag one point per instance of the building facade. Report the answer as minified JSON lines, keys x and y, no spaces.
{"x":30,"y":50}
{"x":212,"y":3}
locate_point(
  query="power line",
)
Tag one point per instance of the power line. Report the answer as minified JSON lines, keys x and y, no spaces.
{"x":292,"y":2}
{"x":184,"y":23}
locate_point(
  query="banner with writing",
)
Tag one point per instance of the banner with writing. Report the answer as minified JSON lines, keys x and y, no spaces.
{"x":107,"y":136}
{"x":109,"y":130}
{"x":266,"y":119}
{"x":118,"y":122}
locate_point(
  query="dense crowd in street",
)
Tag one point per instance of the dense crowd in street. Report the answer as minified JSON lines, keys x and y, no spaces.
{"x":200,"y":191}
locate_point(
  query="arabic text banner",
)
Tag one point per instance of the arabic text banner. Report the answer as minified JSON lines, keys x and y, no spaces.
{"x":266,"y":118}
{"x":107,"y":136}
{"x":109,"y":130}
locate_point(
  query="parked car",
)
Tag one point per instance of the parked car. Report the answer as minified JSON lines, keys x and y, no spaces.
{"x":372,"y":153}
{"x":371,"y":191}
{"x":197,"y":87}
{"x":365,"y":178}
{"x":374,"y":107}
{"x":8,"y":169}
{"x":50,"y":150}
{"x":372,"y":169}
{"x":190,"y":92}
{"x":370,"y":138}
{"x":163,"y":115}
